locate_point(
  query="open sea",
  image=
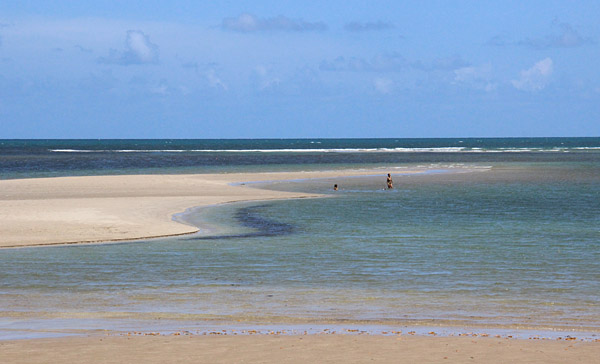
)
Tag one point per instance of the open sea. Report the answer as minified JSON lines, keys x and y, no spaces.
{"x":491,"y":234}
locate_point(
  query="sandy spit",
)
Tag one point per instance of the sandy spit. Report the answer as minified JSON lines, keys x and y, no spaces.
{"x":68,"y":210}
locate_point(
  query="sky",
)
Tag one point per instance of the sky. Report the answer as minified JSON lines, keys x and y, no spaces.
{"x":299,"y":69}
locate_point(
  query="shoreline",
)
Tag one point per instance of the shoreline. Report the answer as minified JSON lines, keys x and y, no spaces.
{"x":119,"y":325}
{"x":150,"y":238}
{"x":57,"y":211}
{"x":325,"y":347}
{"x":131,"y":204}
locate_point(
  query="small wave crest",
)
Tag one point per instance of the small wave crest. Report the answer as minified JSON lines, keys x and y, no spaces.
{"x":334,"y":150}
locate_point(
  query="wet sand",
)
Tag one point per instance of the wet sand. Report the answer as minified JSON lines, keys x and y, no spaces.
{"x":327,"y":348}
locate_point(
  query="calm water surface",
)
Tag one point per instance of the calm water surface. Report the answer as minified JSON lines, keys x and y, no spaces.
{"x":511,"y":244}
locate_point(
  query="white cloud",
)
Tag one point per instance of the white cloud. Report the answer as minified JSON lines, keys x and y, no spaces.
{"x":383,"y":85}
{"x":369,"y":26}
{"x":563,"y":36}
{"x":140,"y":46}
{"x":214,"y":81}
{"x":247,"y":23}
{"x":478,"y":77}
{"x":138,"y":50}
{"x":566,"y":37}
{"x":161,"y":89}
{"x":392,"y":62}
{"x":243,"y":23}
{"x":441,"y":64}
{"x":382,"y":63}
{"x":265,"y":79}
{"x":535,"y":78}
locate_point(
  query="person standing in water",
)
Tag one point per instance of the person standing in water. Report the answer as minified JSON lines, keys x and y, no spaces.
{"x":390,"y":183}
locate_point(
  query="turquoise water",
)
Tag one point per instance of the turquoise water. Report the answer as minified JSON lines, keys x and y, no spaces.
{"x":511,"y":244}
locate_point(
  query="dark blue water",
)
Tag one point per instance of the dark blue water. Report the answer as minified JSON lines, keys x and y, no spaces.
{"x":46,"y":158}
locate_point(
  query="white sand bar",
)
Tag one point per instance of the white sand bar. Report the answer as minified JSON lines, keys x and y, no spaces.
{"x":66,"y":210}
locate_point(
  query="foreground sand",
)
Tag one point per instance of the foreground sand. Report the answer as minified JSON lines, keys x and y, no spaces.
{"x":48,"y":211}
{"x":296,"y":349}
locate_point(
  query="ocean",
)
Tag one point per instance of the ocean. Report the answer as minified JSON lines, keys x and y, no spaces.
{"x":492,"y":234}
{"x":51,"y":158}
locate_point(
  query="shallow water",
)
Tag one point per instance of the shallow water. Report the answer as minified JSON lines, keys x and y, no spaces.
{"x":493,"y":233}
{"x":512,"y":245}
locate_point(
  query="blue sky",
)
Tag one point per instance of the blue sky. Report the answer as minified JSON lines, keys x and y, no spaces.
{"x":298,"y":69}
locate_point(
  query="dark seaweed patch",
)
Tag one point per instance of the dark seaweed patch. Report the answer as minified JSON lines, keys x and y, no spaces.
{"x":251,"y":217}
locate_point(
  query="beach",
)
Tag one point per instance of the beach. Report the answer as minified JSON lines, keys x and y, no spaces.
{"x":295,"y":349}
{"x":92,"y":209}
{"x":487,"y":257}
{"x":68,"y":210}
{"x":299,"y":182}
